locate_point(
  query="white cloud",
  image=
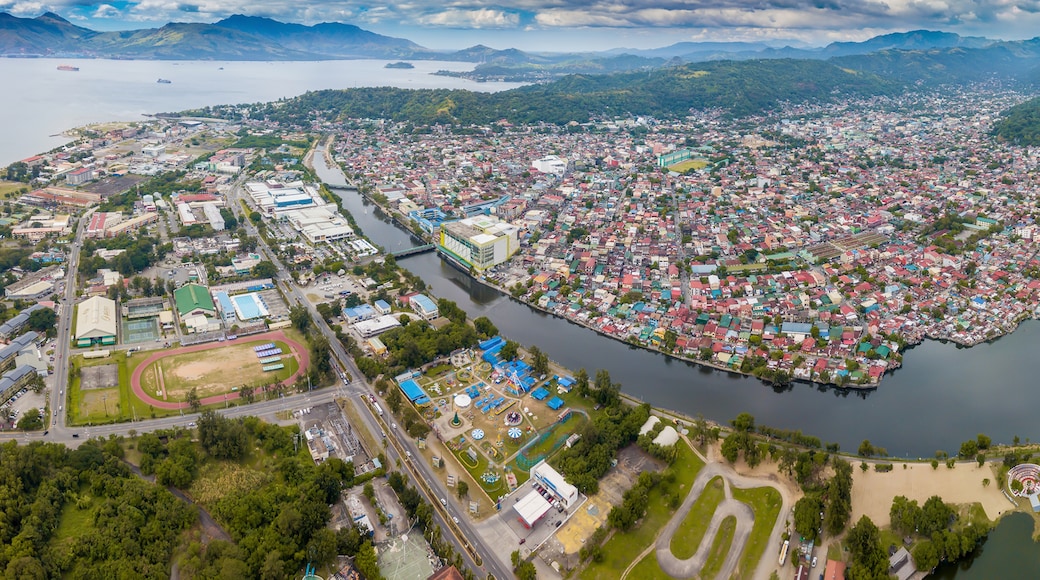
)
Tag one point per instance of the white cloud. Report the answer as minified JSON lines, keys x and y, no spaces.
{"x":482,"y":18}
{"x":107,"y":11}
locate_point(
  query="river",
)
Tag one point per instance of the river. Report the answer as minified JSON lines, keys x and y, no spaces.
{"x":943,"y":395}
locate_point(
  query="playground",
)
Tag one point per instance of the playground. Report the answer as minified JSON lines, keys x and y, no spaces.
{"x":495,"y":418}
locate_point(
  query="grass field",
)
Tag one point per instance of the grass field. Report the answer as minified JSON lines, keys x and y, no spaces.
{"x":88,"y":407}
{"x":10,"y":188}
{"x":688,"y":536}
{"x":766,"y":503}
{"x":622,"y":548}
{"x":648,"y":569}
{"x":213,"y":371}
{"x":720,"y":547}
{"x":688,"y":165}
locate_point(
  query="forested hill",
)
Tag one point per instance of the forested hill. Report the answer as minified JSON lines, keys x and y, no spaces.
{"x":1020,"y":124}
{"x":740,"y":87}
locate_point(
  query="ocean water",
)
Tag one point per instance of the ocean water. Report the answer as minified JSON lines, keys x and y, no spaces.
{"x":40,"y":101}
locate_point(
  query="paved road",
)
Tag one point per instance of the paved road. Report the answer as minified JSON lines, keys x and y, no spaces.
{"x":684,"y":569}
{"x":691,"y":567}
{"x":357,"y":387}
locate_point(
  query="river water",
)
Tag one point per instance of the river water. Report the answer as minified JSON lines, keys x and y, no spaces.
{"x":941,"y":396}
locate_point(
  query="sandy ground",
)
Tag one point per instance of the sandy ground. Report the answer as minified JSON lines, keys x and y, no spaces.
{"x":872,"y":492}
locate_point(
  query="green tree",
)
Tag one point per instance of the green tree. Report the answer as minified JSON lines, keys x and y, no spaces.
{"x":461,"y":489}
{"x":192,"y":398}
{"x":32,"y":420}
{"x":485,"y":328}
{"x":807,"y":518}
{"x":300,"y":317}
{"x":509,"y":350}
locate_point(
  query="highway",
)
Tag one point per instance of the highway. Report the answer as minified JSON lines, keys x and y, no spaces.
{"x":461,"y":535}
{"x":421,"y":473}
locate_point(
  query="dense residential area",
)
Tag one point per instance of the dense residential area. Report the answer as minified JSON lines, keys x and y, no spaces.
{"x":815,"y":245}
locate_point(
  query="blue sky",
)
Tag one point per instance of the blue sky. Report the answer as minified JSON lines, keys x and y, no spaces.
{"x":568,"y":25}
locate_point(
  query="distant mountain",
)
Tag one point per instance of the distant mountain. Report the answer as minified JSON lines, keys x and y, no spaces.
{"x":43,"y":34}
{"x":682,"y":49}
{"x":234,"y":38}
{"x":328,"y":38}
{"x":913,"y":40}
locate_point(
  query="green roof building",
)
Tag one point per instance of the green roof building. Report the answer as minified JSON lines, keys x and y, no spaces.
{"x":193,"y":299}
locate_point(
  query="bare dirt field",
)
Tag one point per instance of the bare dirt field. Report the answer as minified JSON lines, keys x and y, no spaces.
{"x":872,"y":492}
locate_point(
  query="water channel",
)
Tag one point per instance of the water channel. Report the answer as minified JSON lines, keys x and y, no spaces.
{"x":943,"y":394}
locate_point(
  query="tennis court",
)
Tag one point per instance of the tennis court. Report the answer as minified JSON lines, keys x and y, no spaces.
{"x":141,"y":330}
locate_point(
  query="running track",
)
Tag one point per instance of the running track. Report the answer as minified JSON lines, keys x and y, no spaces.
{"x":301,"y":353}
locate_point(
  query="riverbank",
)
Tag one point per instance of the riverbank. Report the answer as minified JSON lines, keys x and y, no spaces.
{"x":394,"y":218}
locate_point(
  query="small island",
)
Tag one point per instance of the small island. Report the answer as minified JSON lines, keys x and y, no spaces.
{"x":399,"y":64}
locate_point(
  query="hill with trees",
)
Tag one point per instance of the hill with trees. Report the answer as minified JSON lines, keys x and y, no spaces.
{"x":1020,"y":124}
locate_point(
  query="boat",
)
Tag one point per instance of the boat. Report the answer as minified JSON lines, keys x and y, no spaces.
{"x":68,"y":67}
{"x":164,"y":81}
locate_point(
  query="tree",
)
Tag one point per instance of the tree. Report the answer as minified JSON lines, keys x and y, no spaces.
{"x":300,"y":317}
{"x":265,"y":269}
{"x":925,"y":556}
{"x":969,"y":449}
{"x":983,"y":442}
{"x":31,"y":420}
{"x":540,"y":365}
{"x":43,"y":320}
{"x":193,"y":400}
{"x":869,"y":561}
{"x":461,"y":489}
{"x":485,"y":327}
{"x":509,"y":350}
{"x":744,"y":422}
{"x":807,"y":516}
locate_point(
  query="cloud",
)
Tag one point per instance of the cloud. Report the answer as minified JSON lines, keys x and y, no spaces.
{"x":812,"y":20}
{"x":482,"y":18}
{"x":106,"y":11}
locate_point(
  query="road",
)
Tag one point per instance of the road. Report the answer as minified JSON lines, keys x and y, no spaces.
{"x":460,"y":535}
{"x":353,"y":391}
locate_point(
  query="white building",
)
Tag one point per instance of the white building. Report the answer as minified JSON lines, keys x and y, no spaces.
{"x":551,"y":479}
{"x":550,"y":164}
{"x":319,"y":224}
{"x":376,"y":326}
{"x":479,"y":242}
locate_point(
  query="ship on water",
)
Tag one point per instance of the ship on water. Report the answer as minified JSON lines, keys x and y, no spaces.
{"x":68,"y":67}
{"x":164,"y":81}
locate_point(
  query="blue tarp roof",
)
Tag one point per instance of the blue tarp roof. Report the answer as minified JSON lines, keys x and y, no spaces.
{"x":540,"y":393}
{"x":555,"y":403}
{"x":413,"y":391}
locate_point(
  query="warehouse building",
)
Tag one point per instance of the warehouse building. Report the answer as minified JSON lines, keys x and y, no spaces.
{"x":95,"y":322}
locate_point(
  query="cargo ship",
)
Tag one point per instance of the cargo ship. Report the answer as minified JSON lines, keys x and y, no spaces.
{"x":68,"y":67}
{"x":164,"y":81}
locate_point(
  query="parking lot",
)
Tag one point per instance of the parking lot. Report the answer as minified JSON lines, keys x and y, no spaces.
{"x":527,"y":540}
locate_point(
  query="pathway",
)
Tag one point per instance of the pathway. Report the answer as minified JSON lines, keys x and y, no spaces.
{"x":744,"y":515}
{"x":302,"y":354}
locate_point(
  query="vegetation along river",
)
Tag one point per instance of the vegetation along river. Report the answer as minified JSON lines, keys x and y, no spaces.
{"x":943,"y":394}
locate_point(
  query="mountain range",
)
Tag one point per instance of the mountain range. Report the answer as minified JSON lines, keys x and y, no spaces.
{"x":241,"y":37}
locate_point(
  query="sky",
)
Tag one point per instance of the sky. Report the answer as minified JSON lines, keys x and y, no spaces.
{"x":572,"y":25}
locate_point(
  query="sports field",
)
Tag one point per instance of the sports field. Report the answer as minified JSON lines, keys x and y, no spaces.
{"x":213,"y":372}
{"x":217,"y":369}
